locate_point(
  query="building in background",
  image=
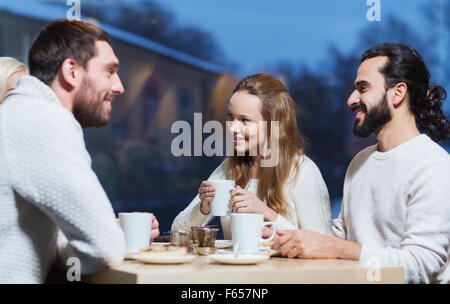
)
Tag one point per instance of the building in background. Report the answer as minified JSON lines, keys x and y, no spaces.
{"x":132,"y":155}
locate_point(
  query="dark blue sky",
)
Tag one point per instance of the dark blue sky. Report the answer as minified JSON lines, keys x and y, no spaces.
{"x":256,"y":32}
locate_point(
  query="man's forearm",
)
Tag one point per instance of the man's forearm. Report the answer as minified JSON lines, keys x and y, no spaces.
{"x":343,"y":249}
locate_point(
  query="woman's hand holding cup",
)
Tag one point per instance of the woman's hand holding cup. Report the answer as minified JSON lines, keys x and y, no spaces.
{"x":206,"y":193}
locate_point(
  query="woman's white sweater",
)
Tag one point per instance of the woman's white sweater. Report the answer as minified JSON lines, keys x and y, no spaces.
{"x":305,"y":192}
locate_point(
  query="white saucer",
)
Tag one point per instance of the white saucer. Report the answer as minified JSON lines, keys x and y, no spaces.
{"x":165,"y":259}
{"x":239,"y":259}
{"x":269,"y":252}
{"x":131,"y":255}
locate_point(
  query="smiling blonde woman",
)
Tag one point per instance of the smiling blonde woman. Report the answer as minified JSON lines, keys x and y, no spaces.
{"x":292,"y":193}
{"x":10,"y":72}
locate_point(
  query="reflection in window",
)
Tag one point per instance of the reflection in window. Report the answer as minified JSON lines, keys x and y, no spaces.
{"x":185,"y":105}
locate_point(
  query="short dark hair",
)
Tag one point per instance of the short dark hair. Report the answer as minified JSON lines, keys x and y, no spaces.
{"x":62,"y":39}
{"x":406,"y":65}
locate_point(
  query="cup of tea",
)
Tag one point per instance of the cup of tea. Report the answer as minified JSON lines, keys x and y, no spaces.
{"x":181,"y":238}
{"x":204,"y":236}
{"x":220,"y":205}
{"x":137,"y":228}
{"x":246,"y":231}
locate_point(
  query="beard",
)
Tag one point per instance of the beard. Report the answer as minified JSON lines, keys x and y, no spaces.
{"x":375,"y":118}
{"x":88,"y":106}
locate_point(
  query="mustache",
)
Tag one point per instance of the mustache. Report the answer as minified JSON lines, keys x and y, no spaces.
{"x":359,"y":106}
{"x":110,"y":97}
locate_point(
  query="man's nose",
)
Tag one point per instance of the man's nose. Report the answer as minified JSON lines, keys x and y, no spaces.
{"x":117,"y":87}
{"x":353,"y":99}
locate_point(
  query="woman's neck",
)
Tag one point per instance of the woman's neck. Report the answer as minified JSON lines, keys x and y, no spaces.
{"x":255,"y":169}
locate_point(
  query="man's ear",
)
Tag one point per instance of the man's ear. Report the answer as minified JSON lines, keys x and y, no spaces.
{"x":399,"y":94}
{"x":71,"y":73}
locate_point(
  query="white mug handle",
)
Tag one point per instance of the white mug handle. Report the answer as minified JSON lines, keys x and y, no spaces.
{"x":273,"y":231}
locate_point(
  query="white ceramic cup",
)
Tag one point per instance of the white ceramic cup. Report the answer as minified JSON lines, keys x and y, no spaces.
{"x":220,"y":205}
{"x":137,"y":229}
{"x":246,"y":231}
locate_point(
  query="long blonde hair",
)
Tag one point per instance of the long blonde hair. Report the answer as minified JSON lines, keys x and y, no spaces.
{"x":8,"y":67}
{"x":277,"y":105}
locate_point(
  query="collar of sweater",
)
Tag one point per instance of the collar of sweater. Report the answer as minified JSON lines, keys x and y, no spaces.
{"x":400,"y":149}
{"x":32,"y":87}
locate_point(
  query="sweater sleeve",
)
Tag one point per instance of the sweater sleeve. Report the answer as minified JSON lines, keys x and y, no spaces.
{"x":191,"y":215}
{"x":423,"y":249}
{"x":312,"y":201}
{"x":281,"y":223}
{"x":339,"y":228}
{"x":50,"y":168}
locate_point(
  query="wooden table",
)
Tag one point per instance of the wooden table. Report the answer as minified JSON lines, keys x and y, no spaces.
{"x":276,"y":270}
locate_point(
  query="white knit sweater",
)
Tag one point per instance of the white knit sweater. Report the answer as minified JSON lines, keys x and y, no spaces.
{"x":305,"y":192}
{"x":397,"y":205}
{"x":46,"y":186}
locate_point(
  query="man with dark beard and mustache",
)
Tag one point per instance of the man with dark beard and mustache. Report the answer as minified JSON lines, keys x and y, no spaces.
{"x":377,"y":117}
{"x":395,"y":209}
{"x":52,"y":204}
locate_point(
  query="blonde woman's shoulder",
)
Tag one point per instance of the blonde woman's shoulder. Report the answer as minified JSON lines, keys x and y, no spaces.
{"x":221,"y":170}
{"x":306,"y":167}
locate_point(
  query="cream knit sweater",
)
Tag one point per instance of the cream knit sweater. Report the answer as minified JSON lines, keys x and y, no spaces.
{"x":305,"y":192}
{"x":397,"y":205}
{"x":47,"y":186}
